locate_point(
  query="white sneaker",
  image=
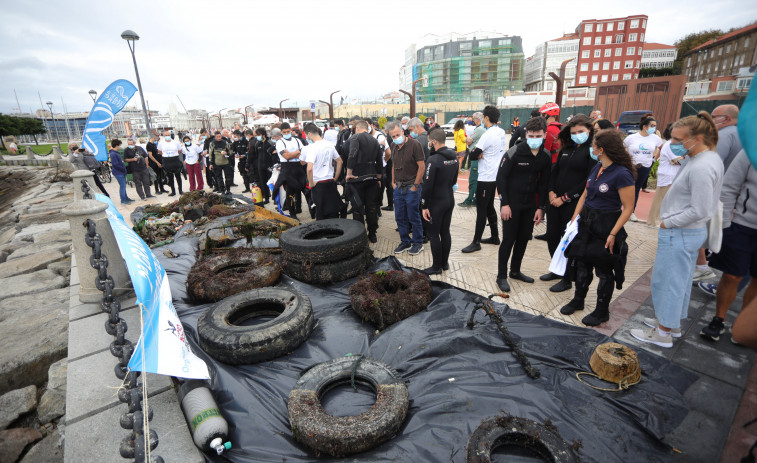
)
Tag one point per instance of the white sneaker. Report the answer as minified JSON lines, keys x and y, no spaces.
{"x":701,"y":275}
{"x":651,"y":336}
{"x":652,"y":323}
{"x":633,"y":218}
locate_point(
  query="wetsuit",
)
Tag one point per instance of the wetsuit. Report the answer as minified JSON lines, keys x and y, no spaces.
{"x":437,"y":196}
{"x":365,"y":161}
{"x":522,"y":178}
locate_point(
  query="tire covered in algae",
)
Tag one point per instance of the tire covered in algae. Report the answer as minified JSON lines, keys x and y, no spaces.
{"x":345,"y":435}
{"x":384,"y":298}
{"x":216,"y":277}
{"x":542,"y":439}
{"x":224,"y":338}
{"x":324,"y":241}
{"x":325,"y":274}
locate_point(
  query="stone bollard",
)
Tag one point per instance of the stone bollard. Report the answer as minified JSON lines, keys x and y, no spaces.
{"x":30,"y":153}
{"x":57,"y":153}
{"x":77,"y":177}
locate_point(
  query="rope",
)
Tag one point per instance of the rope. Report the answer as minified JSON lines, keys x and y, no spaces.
{"x":354,"y":371}
{"x":623,"y":384}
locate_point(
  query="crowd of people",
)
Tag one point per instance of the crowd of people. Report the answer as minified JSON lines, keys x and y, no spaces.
{"x":583,"y":173}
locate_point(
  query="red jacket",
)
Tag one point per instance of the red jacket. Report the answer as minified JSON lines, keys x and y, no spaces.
{"x":551,"y":142}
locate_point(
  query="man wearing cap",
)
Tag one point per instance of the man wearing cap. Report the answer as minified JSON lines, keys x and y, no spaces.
{"x":551,"y":112}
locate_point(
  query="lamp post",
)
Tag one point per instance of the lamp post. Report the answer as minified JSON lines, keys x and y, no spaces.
{"x":330,"y":104}
{"x":412,"y":97}
{"x":131,"y":37}
{"x":280,"y":108}
{"x":93,"y":94}
{"x":245,"y":112}
{"x":52,"y":115}
{"x":220,"y":122}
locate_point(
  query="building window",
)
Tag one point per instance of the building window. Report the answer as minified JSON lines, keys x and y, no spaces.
{"x":641,"y":37}
{"x":608,"y":52}
{"x":604,"y":78}
{"x":587,"y":40}
{"x":621,"y":25}
{"x":629,"y":65}
{"x":614,"y":77}
{"x":626,"y":76}
{"x":588,"y":27}
{"x":582,"y":80}
{"x":640,"y":50}
{"x":599,"y":27}
{"x":725,"y":86}
{"x":632,"y":37}
{"x":585,"y":54}
{"x":594,"y":79}
{"x":606,"y":66}
{"x":688,"y":61}
{"x":595,"y":66}
{"x":597,"y":40}
{"x":618,"y":52}
{"x":584,"y":66}
{"x":717,"y":66}
{"x":720,"y":51}
{"x":608,"y":40}
{"x":610,"y":27}
{"x":634,"y":24}
{"x":619,"y":38}
{"x":630,"y":51}
{"x":728,"y":48}
{"x":644,"y":24}
{"x":597,"y":53}
{"x":616,"y":65}
{"x":549,"y":85}
{"x":746,"y":43}
{"x":744,"y":83}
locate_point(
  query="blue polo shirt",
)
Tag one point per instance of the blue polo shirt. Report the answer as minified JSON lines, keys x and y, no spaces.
{"x":602,"y":192}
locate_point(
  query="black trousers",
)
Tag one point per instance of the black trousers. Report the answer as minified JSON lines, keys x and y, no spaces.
{"x":485,"y":192}
{"x":584,"y":277}
{"x":366,"y":198}
{"x":558,"y":220}
{"x":210,"y":179}
{"x":388,"y":188}
{"x":172,"y":168}
{"x":261,"y":178}
{"x":439,"y":230}
{"x":99,"y":184}
{"x":327,"y":200}
{"x":515,"y":235}
{"x":293,"y":178}
{"x":244,"y":171}
{"x":219,"y":172}
{"x":160,"y":178}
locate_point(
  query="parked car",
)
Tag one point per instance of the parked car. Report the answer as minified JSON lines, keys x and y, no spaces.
{"x":628,"y":122}
{"x":450,"y":125}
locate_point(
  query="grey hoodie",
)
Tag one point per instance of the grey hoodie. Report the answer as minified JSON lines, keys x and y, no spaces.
{"x":693,"y":196}
{"x":738,"y":193}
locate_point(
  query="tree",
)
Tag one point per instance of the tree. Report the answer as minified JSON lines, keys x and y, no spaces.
{"x":382,"y":122}
{"x":13,"y":125}
{"x":693,"y":40}
{"x":33,"y":127}
{"x":8,"y":126}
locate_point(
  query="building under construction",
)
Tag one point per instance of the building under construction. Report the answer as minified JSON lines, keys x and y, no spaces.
{"x":477,"y":69}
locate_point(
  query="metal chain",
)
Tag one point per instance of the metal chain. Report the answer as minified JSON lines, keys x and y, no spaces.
{"x":85,"y":188}
{"x":133,"y":446}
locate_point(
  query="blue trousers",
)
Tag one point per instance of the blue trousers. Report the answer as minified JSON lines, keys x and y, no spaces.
{"x":121,"y":187}
{"x":674,"y":264}
{"x":407,"y":213}
{"x":642,"y":175}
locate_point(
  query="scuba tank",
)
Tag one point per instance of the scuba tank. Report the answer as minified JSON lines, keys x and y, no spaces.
{"x":208,"y":427}
{"x":257,"y":194}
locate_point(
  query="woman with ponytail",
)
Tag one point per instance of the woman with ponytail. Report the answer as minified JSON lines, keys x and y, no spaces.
{"x":688,"y":205}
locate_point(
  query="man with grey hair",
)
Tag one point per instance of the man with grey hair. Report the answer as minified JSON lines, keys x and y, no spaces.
{"x":472,"y":142}
{"x":726,"y":117}
{"x":405,"y":121}
{"x":407,"y":174}
{"x":418,"y":132}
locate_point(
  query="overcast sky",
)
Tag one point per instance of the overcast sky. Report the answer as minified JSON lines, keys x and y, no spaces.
{"x":232,"y":53}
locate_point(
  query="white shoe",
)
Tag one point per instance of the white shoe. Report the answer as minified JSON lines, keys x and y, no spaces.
{"x":701,"y":275}
{"x":653,"y":323}
{"x":633,"y":218}
{"x":651,"y":336}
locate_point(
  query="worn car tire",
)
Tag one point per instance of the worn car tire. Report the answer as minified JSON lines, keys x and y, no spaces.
{"x":324,"y":241}
{"x":224,"y":340}
{"x":542,"y":439}
{"x":216,"y":277}
{"x":344,"y":435}
{"x":325,"y":274}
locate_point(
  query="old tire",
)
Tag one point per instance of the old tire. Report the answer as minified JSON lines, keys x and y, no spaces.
{"x":543,"y":440}
{"x":385,"y":298}
{"x":224,"y":275}
{"x":324,"y":241}
{"x":344,"y":435}
{"x":224,"y":340}
{"x":325,"y":274}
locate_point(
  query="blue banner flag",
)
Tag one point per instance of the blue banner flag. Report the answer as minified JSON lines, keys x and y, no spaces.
{"x":110,"y":103}
{"x":747,"y":125}
{"x":162,"y":348}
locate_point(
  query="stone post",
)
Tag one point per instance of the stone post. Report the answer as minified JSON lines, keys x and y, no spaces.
{"x":57,"y":153}
{"x":77,"y":177}
{"x":30,"y":153}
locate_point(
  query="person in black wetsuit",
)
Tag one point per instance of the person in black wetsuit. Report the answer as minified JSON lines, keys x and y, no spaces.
{"x":240,"y":146}
{"x":522,"y":182}
{"x":437,"y":199}
{"x":364,"y":173}
{"x":566,"y":184}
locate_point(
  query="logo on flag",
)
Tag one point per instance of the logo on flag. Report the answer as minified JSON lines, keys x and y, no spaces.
{"x":110,"y":103}
{"x":162,"y":348}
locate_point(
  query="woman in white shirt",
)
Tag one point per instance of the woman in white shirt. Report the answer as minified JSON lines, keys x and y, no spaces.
{"x":644,"y":148}
{"x":669,"y":166}
{"x":192,"y":155}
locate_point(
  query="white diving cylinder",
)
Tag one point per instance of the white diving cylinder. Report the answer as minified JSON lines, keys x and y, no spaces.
{"x":207,"y":425}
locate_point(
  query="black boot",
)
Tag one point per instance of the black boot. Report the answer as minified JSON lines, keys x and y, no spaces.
{"x":583,"y":280}
{"x":562,"y":285}
{"x":575,"y":304}
{"x":473,"y":247}
{"x":604,"y":293}
{"x":600,"y":315}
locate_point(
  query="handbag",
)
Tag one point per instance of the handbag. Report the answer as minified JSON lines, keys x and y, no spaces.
{"x":715,"y":229}
{"x":153,"y":175}
{"x":559,"y":261}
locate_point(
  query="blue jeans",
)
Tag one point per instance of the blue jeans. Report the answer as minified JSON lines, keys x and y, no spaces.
{"x":407,"y":213}
{"x":121,"y":186}
{"x":677,"y":251}
{"x":642,"y":173}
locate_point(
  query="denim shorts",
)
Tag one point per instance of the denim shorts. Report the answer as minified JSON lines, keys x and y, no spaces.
{"x":738,"y":253}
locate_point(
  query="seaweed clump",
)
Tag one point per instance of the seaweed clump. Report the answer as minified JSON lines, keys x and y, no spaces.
{"x":384,"y":298}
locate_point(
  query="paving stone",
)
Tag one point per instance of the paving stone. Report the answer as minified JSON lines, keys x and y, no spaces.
{"x":88,"y":334}
{"x":98,"y":437}
{"x":14,"y":441}
{"x":29,"y":263}
{"x":84,"y":396}
{"x":702,"y":449}
{"x":714,"y":398}
{"x":15,"y":403}
{"x":31,"y":249}
{"x":31,"y":283}
{"x":32,"y":230}
{"x":698,"y":356}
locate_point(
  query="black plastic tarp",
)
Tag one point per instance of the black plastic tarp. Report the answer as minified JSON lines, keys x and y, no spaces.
{"x":456,"y":377}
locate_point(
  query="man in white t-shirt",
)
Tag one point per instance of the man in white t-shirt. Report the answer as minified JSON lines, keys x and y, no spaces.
{"x":331,"y":135}
{"x":644,"y":147}
{"x":323,"y":168}
{"x":170,"y":149}
{"x":292,"y":176}
{"x":489,"y":151}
